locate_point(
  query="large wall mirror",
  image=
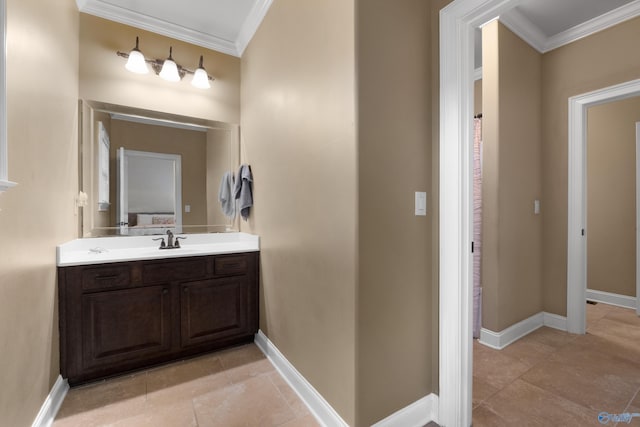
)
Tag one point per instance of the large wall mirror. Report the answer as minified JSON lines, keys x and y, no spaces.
{"x":145,"y":172}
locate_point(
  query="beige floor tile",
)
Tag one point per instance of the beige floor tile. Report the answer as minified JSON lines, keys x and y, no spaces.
{"x":254,"y":402}
{"x":593,"y":379}
{"x":245,"y":362}
{"x":621,"y":334}
{"x":186,"y":380}
{"x":529,"y":351}
{"x":624,"y":315}
{"x":551,"y":337}
{"x":102,"y":403}
{"x":307,"y":421}
{"x":495,"y":368}
{"x":167,"y":415}
{"x":521,"y":403}
{"x":482,"y":390}
{"x":290,"y":396}
{"x":485,"y":417}
{"x":597,"y":311}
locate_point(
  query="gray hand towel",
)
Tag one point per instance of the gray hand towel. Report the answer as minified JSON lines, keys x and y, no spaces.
{"x":226,"y":196}
{"x":242,"y":190}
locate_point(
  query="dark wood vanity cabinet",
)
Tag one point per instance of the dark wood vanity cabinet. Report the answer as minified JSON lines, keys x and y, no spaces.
{"x":123,"y":316}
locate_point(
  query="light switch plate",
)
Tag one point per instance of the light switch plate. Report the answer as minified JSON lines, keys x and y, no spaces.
{"x":421,"y":203}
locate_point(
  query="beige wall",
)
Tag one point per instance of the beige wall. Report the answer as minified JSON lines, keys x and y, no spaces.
{"x":595,"y":62}
{"x":191,"y":145}
{"x":394,"y":157}
{"x":104,"y":78}
{"x":38,"y":214}
{"x":299,"y":136}
{"x":511,"y":257}
{"x":611,"y":196}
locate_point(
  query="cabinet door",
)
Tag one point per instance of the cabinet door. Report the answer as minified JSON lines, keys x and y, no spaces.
{"x":214,"y":309}
{"x":125,"y":326}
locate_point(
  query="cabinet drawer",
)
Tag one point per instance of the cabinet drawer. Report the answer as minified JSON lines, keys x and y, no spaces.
{"x":236,"y":264}
{"x":106,"y":277}
{"x":167,"y":271}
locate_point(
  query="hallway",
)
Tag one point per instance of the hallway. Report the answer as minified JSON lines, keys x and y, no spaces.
{"x":553,"y":378}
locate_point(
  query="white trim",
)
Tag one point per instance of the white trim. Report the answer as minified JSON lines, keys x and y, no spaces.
{"x":530,"y":33}
{"x":417,"y":414}
{"x":5,"y":184}
{"x":525,"y":29}
{"x":599,"y":23}
{"x":108,"y":11}
{"x":577,"y":200}
{"x":611,"y":298}
{"x":513,"y":333}
{"x":555,"y":321}
{"x":457,"y":25}
{"x":52,"y":404}
{"x":638,"y":218}
{"x":319,"y":407}
{"x":251,"y":24}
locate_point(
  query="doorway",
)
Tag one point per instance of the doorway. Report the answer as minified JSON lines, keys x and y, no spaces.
{"x":577,"y":221}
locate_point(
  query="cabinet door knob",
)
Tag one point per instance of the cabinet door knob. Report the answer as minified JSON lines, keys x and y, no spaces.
{"x":185,"y":289}
{"x":165,"y":291}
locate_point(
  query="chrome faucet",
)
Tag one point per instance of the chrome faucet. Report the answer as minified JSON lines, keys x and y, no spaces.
{"x":171,"y":244}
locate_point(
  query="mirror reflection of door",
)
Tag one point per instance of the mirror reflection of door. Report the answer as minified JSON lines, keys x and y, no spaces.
{"x":149,"y":192}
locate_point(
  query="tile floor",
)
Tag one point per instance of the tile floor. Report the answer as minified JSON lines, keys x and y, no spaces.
{"x":548,"y":378}
{"x":235,"y":387}
{"x":553,"y":378}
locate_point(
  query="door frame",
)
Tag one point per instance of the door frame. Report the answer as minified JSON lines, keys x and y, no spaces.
{"x":638,"y":218}
{"x":577,"y":232}
{"x":457,"y":25}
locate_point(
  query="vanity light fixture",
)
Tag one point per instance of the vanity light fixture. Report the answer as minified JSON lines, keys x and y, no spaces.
{"x":168,"y":69}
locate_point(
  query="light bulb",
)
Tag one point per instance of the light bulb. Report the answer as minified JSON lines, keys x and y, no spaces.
{"x":200,"y":77}
{"x":170,"y":69}
{"x":136,"y":62}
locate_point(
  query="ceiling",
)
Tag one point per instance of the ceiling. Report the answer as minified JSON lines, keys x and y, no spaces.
{"x":228,"y":25}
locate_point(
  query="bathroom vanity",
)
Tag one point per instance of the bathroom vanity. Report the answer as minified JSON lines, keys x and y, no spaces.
{"x":125,"y":304}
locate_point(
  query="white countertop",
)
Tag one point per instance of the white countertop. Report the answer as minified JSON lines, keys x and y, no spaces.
{"x":100,"y":250}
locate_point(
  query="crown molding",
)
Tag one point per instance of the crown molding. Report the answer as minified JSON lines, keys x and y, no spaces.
{"x":599,"y":23}
{"x":128,"y":17}
{"x":530,"y":33}
{"x":251,"y":24}
{"x":525,"y":29}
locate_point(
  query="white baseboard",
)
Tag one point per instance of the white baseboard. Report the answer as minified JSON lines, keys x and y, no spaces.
{"x":52,"y":403}
{"x":612,"y":299}
{"x":418,"y":414}
{"x":555,"y":321}
{"x":319,"y":407}
{"x":500,"y":340}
